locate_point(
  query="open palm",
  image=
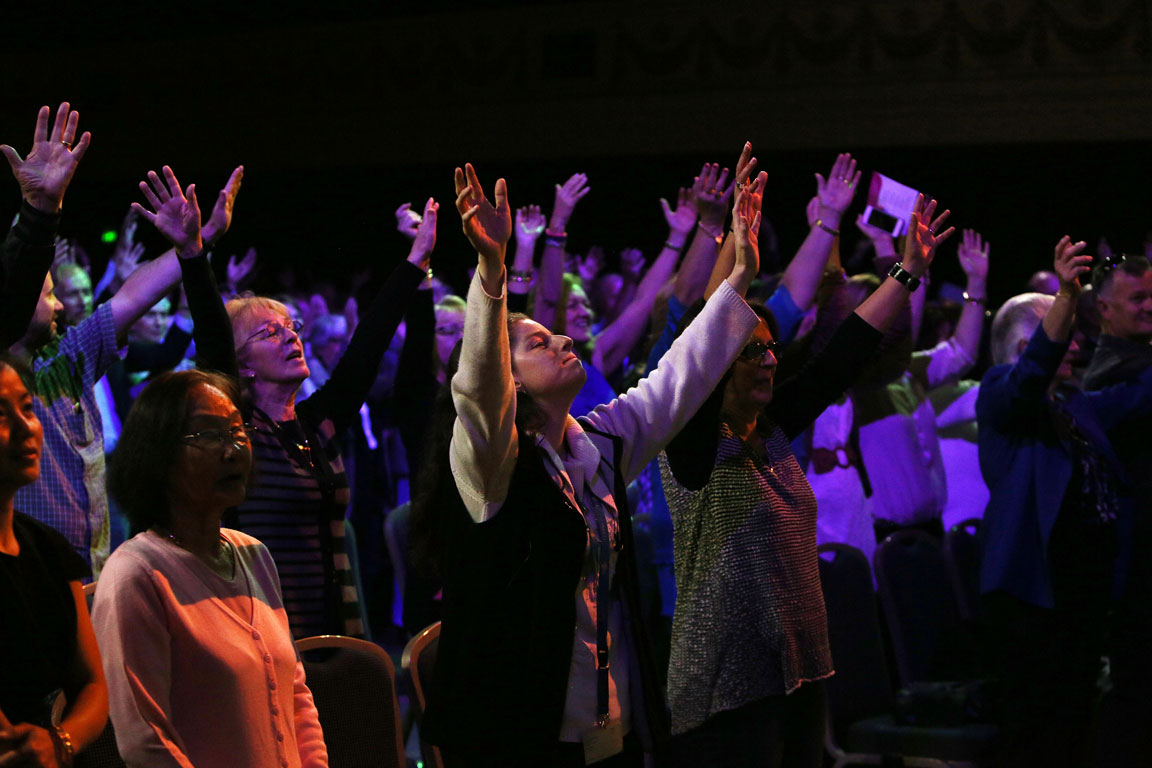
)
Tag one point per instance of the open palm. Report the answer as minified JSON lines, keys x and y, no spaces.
{"x":487,"y":226}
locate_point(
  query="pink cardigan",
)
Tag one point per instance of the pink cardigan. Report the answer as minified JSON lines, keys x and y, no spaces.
{"x":201,"y":670}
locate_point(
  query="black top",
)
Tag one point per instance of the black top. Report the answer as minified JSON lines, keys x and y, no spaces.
{"x":25,"y":258}
{"x":795,"y":403}
{"x":37,"y":621}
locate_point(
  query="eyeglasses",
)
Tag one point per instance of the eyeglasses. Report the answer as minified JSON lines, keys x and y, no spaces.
{"x":216,"y":439}
{"x":274,"y":330}
{"x":754,"y":352}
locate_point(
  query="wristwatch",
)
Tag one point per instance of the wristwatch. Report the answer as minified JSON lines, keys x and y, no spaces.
{"x":904,"y":277}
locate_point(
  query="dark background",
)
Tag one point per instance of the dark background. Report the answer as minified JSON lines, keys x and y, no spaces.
{"x":1028,"y":119}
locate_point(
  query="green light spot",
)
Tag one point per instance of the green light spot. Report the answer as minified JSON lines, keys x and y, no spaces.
{"x":109,"y":236}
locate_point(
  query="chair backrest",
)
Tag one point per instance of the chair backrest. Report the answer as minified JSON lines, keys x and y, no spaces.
{"x":929,"y":639}
{"x":962,"y":548}
{"x":418,"y":661}
{"x":861,"y":686}
{"x":90,"y":593}
{"x":396,"y":538}
{"x":353,"y":683}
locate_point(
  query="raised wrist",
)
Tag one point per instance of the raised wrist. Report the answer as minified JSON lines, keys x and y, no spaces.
{"x":46,"y":205}
{"x":829,"y":216}
{"x":676,"y":240}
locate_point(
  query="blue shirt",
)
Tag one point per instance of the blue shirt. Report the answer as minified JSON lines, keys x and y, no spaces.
{"x":70,"y":494}
{"x":1028,"y":468}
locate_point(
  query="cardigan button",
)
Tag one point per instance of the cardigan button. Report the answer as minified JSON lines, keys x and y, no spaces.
{"x":255,"y":635}
{"x":267,"y":658}
{"x":279,"y":736}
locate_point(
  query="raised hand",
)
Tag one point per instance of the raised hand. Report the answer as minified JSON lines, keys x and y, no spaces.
{"x":221,"y":217}
{"x":924,"y":236}
{"x":712,"y":197}
{"x":973,"y":255}
{"x":683,"y":218}
{"x":45,"y":173}
{"x":239,"y":270}
{"x":632,"y":264}
{"x":529,"y":222}
{"x":745,"y":165}
{"x":126,"y":258}
{"x":177,"y":214}
{"x":746,"y":231}
{"x":425,"y":240}
{"x":836,"y":192}
{"x":407,"y":221}
{"x":567,"y":195}
{"x":486,"y":226}
{"x":1071,"y":262}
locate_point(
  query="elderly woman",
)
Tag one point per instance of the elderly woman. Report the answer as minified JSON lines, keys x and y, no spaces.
{"x":749,"y":636}
{"x":542,"y":658}
{"x":200,"y":662}
{"x":46,"y":640}
{"x":299,"y":498}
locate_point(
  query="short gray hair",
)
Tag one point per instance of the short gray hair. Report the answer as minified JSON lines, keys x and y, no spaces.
{"x":1016,"y":320}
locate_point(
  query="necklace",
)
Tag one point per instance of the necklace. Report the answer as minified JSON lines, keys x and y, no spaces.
{"x":300,"y":445}
{"x":175,"y":540}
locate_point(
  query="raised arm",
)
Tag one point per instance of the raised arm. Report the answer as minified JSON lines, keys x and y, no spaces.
{"x":615,"y":342}
{"x":648,"y":416}
{"x":712,"y":199}
{"x":568,"y":195}
{"x":1008,"y":392}
{"x":177,"y":217}
{"x":881,"y":308}
{"x":834,"y":195}
{"x":727,"y":256}
{"x":529,"y":227}
{"x":28,"y":250}
{"x":346,"y":389}
{"x":1070,"y":263}
{"x":483,"y":449}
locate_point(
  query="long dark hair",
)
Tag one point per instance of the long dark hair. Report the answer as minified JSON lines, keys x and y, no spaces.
{"x":140,"y":469}
{"x":436,"y":496}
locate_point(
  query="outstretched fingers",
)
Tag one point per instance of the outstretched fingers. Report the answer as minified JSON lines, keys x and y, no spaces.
{"x":144,"y":212}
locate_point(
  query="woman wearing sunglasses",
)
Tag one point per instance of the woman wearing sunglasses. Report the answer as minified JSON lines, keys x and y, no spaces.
{"x":194,"y":638}
{"x":297,"y":502}
{"x":750,"y":636}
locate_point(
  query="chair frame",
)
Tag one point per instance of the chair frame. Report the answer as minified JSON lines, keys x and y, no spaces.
{"x":409,"y":662}
{"x":834,"y":750}
{"x":968,"y":610}
{"x":317,"y":642}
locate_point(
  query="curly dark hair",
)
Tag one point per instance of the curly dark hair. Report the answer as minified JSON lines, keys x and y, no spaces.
{"x":140,"y":469}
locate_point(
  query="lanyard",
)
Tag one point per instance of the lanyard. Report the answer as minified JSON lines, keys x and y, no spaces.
{"x":603,"y":611}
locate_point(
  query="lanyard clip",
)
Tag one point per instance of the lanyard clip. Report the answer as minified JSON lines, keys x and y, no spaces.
{"x":601,"y":658}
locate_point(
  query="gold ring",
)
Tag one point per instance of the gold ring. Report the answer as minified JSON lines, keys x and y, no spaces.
{"x":67,"y":144}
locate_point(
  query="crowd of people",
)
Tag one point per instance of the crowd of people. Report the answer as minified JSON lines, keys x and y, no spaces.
{"x":612,"y":474}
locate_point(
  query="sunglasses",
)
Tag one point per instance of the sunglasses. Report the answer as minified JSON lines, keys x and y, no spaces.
{"x":756,"y":351}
